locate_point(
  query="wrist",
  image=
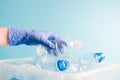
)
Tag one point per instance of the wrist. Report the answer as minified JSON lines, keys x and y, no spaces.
{"x":4,"y":36}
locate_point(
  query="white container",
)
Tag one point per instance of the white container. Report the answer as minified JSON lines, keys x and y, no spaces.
{"x":22,"y":69}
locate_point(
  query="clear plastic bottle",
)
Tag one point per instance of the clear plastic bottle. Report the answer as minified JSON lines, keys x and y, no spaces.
{"x":85,"y":63}
{"x":90,"y":61}
{"x":50,"y":62}
{"x":47,"y":61}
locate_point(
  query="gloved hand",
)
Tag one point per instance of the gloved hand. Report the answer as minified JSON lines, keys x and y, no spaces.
{"x":32,"y":37}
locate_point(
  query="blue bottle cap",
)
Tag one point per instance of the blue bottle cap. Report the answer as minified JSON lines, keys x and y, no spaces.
{"x":62,"y":64}
{"x":99,"y":57}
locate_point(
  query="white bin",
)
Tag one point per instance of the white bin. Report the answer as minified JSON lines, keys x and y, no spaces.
{"x":22,"y":69}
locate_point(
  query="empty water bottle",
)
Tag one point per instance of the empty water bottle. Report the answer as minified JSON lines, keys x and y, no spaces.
{"x":90,"y":61}
{"x":85,"y":63}
{"x":46,"y":60}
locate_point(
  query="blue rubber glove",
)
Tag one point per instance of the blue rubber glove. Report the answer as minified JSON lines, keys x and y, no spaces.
{"x":32,"y":37}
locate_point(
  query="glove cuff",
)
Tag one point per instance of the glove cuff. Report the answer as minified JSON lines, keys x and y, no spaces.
{"x":17,"y":36}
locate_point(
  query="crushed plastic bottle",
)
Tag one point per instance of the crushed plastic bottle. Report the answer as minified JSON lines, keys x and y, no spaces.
{"x":44,"y":60}
{"x":47,"y":61}
{"x":66,"y":62}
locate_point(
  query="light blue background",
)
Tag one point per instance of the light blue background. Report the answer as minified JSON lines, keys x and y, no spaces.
{"x":95,"y":22}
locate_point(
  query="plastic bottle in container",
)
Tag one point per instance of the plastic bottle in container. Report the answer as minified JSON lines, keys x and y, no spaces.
{"x":90,"y":61}
{"x":61,"y":62}
{"x":80,"y":64}
{"x":50,"y":62}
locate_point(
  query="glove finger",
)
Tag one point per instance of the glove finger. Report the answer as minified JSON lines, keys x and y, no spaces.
{"x":52,"y":52}
{"x":55,"y":53}
{"x":49,"y":44}
{"x":48,"y":50}
{"x":61,"y":49}
{"x":63,"y":42}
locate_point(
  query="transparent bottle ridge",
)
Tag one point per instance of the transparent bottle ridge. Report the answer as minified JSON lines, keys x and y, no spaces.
{"x":65,"y":62}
